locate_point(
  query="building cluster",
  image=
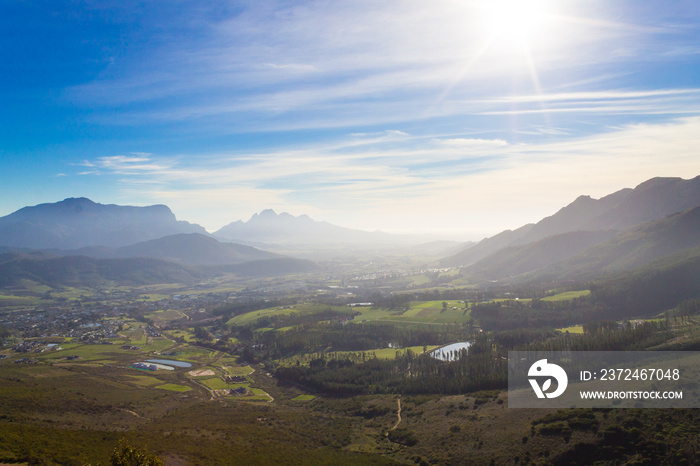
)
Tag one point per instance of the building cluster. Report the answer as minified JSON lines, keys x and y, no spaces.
{"x":35,"y":346}
{"x":393,"y":274}
{"x":236,"y":379}
{"x":240,"y":391}
{"x":144,"y":366}
{"x":74,"y":322}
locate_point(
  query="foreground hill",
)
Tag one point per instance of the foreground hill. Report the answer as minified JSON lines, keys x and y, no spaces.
{"x":190,"y":249}
{"x":80,"y":271}
{"x":79,"y":222}
{"x":652,"y":200}
{"x":87,"y":272}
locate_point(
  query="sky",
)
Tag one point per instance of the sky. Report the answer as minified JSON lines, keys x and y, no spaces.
{"x":462,"y":118}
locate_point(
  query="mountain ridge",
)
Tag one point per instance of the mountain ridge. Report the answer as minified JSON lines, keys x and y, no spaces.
{"x":284,"y":230}
{"x":186,"y":248}
{"x":651,"y":200}
{"x":79,"y":222}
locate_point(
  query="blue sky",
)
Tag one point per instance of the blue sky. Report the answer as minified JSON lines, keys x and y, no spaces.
{"x":454,"y":116}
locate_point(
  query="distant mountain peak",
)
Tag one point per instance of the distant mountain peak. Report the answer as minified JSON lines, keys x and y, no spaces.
{"x":658,"y":181}
{"x":77,"y":200}
{"x":78,"y":222}
{"x":284,"y":228}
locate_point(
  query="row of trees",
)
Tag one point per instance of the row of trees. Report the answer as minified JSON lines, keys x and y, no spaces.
{"x":477,"y":369}
{"x":482,"y":367}
{"x":337,"y":336}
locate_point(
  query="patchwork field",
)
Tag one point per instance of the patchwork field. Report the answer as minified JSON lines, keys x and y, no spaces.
{"x":300,"y":309}
{"x":422,"y":312}
{"x":567,"y":296}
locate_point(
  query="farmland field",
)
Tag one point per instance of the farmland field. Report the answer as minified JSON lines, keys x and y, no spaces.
{"x":302,"y":309}
{"x":424,"y":312}
{"x":567,"y":296}
{"x":215,"y":383}
{"x":572,"y":329}
{"x":174,"y":387}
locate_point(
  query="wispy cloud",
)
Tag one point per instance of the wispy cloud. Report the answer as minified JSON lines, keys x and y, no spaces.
{"x":294,"y":62}
{"x":130,"y":164}
{"x":386,"y":183}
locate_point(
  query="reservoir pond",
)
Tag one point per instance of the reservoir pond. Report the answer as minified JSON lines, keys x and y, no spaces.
{"x":450,"y":352}
{"x":170,"y":362}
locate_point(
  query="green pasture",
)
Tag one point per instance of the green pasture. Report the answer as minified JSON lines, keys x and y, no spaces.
{"x":174,"y":387}
{"x":186,"y":334}
{"x":303,"y":309}
{"x":144,"y":380}
{"x":72,"y":294}
{"x":572,"y":329}
{"x":258,"y":394}
{"x":196,"y":354}
{"x":158,"y":344}
{"x":304,"y":398}
{"x":419,"y":312}
{"x":106,"y":354}
{"x":567,"y":295}
{"x":33,"y":286}
{"x":239,"y":370}
{"x":93,"y":353}
{"x":215,"y":383}
{"x":44,"y":371}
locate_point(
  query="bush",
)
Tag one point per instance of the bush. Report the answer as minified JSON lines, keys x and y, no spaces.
{"x":403,"y":436}
{"x":128,"y":455}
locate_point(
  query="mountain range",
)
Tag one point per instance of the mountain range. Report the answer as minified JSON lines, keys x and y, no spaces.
{"x":269,"y":228}
{"x":78,"y":223}
{"x":78,"y":242}
{"x":190,"y":249}
{"x":620,"y":231}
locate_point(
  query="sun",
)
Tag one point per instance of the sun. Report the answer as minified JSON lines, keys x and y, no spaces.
{"x":515,"y":23}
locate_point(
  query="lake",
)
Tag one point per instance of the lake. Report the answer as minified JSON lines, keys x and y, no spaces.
{"x":170,"y":363}
{"x":445,"y":353}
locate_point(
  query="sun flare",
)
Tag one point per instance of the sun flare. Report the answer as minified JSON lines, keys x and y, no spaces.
{"x":515,"y":22}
